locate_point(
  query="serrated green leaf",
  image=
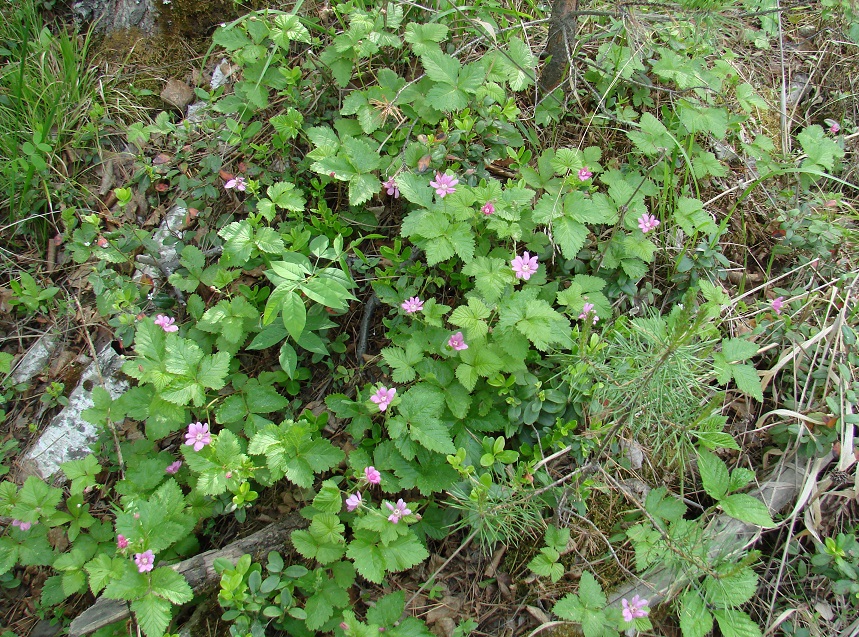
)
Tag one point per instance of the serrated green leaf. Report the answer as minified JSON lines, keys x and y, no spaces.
{"x":167,"y":583}
{"x":695,"y":620}
{"x":746,"y":508}
{"x":731,"y":590}
{"x":714,"y":475}
{"x":736,"y":623}
{"x":425,"y":38}
{"x":748,"y":381}
{"x":152,"y":614}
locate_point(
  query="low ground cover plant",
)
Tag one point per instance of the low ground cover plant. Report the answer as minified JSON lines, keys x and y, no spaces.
{"x":417,"y":292}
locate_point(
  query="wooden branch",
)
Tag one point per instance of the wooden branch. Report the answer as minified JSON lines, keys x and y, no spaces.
{"x":561,"y":30}
{"x":198,"y":571}
{"x":728,"y":535}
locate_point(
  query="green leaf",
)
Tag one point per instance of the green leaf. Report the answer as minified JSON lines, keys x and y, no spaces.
{"x":695,"y":620}
{"x":746,"y":508}
{"x":570,"y":235}
{"x":294,"y":314}
{"x":441,"y":68}
{"x":327,"y":292}
{"x":714,"y":474}
{"x":152,"y":614}
{"x":170,"y":585}
{"x":660,"y":504}
{"x":748,"y":381}
{"x":367,"y":555}
{"x":692,"y":218}
{"x":491,"y":276}
{"x":740,"y":477}
{"x":652,"y":138}
{"x":402,"y":361}
{"x":404,"y":553}
{"x":101,"y":570}
{"x":471,"y":318}
{"x":362,"y":188}
{"x":731,"y":590}
{"x":387,"y":610}
{"x":749,"y":100}
{"x":736,"y":623}
{"x":738,"y":349}
{"x":590,"y":592}
{"x":424,"y":38}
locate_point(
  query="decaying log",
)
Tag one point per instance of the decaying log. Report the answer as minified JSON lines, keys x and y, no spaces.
{"x":783,"y":487}
{"x":198,"y":571}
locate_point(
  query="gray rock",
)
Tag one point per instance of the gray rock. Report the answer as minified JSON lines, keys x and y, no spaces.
{"x":37,"y":357}
{"x":69,"y":436}
{"x":115,"y":15}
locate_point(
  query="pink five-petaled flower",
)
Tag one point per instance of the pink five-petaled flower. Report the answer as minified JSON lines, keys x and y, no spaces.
{"x":236,"y":182}
{"x":372,"y":475}
{"x":400,"y":510}
{"x":166,"y":323}
{"x":121,"y":541}
{"x":24,"y":526}
{"x":457,"y":342}
{"x":647,"y":222}
{"x":353,"y":501}
{"x":383,"y":397}
{"x":412,"y":305}
{"x":198,"y":435}
{"x":524,"y":266}
{"x":173,"y":467}
{"x":145,"y":561}
{"x":488,"y":208}
{"x":777,"y":304}
{"x":390,"y":187}
{"x":585,"y":174}
{"x":634,"y":608}
{"x":444,"y":184}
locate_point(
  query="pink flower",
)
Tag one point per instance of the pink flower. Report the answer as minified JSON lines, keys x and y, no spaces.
{"x":635,"y":608}
{"x":524,"y":266}
{"x":24,"y":526}
{"x":412,"y":305}
{"x":236,"y":182}
{"x":457,"y":342}
{"x":777,"y":304}
{"x":174,"y":467}
{"x":372,"y":475}
{"x":166,"y":323}
{"x":586,"y":310}
{"x":585,"y":174}
{"x":353,"y":501}
{"x":121,"y":542}
{"x":647,"y":223}
{"x":488,"y":208}
{"x":390,"y":187}
{"x":834,"y":128}
{"x":198,"y":435}
{"x":383,"y":397}
{"x":400,"y":510}
{"x":145,"y":561}
{"x":444,"y":184}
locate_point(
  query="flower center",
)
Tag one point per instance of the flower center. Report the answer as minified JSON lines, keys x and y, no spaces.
{"x":199,"y":437}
